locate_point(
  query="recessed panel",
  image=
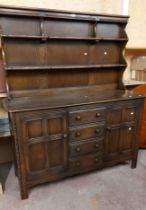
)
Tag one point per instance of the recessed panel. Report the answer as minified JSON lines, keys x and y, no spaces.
{"x":56,"y":153}
{"x":110,"y":30}
{"x":114,"y":116}
{"x":112,"y":141}
{"x":129,"y":114}
{"x":67,"y":53}
{"x":54,"y":126}
{"x":35,"y":129}
{"x":67,"y":28}
{"x":36,"y":157}
{"x":105,"y":53}
{"x":24,"y":52}
{"x":127,"y":137}
{"x":20,"y":26}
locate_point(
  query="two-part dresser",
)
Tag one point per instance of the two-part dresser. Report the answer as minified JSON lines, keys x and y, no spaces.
{"x":69,"y":111}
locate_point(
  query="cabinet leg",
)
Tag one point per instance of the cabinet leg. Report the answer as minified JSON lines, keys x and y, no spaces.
{"x":24,"y":193}
{"x":134,"y":162}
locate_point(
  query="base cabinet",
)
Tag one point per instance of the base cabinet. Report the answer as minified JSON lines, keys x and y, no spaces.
{"x":51,"y":144}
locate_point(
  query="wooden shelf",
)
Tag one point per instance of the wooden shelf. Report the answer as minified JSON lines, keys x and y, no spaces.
{"x":64,"y":38}
{"x":9,"y":68}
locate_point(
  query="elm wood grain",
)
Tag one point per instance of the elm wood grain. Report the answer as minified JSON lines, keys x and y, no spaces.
{"x":68,"y":107}
{"x":120,"y":142}
{"x":69,"y":99}
{"x":62,"y":53}
{"x":85,"y":147}
{"x":58,"y":79}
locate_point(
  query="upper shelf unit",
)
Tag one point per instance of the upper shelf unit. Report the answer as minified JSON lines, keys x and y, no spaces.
{"x":54,"y":27}
{"x":62,"y":53}
{"x":48,"y":50}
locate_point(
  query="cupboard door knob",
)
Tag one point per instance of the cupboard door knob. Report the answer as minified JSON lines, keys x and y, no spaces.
{"x":130,"y":128}
{"x":78,"y":117}
{"x":98,"y":114}
{"x":96,"y":145}
{"x":97,"y":130}
{"x":78,"y":149}
{"x":96,"y":160}
{"x":64,"y":135}
{"x":78,"y":164}
{"x":78,"y":134}
{"x":132,"y":113}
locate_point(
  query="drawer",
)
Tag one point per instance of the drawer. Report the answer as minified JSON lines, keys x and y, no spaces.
{"x":85,"y":147}
{"x":85,"y":162}
{"x":87,"y":132}
{"x":85,"y":116}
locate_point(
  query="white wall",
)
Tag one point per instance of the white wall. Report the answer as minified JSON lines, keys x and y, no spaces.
{"x":99,"y":6}
{"x":136,"y":28}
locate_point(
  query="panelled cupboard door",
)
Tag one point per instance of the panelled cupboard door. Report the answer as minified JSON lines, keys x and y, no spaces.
{"x":45,"y":143}
{"x":120,"y":140}
{"x":121,"y":131}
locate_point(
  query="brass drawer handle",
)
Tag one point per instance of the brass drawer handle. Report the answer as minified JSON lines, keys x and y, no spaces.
{"x":98,"y":114}
{"x":78,"y":164}
{"x":78,"y":149}
{"x":97,"y":130}
{"x":78,"y":117}
{"x":96,"y":145}
{"x":78,"y":134}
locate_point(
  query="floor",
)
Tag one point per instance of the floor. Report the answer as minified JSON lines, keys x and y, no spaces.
{"x":4,"y":171}
{"x":116,"y":188}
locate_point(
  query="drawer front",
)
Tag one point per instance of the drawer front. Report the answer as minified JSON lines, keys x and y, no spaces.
{"x":85,"y":148}
{"x":85,"y":116}
{"x":85,"y":162}
{"x":87,"y":132}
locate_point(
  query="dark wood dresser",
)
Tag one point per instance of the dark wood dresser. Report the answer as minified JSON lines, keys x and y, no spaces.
{"x":68,"y":108}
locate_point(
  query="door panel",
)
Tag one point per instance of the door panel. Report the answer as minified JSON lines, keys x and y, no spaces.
{"x":34,"y":128}
{"x":127,"y":137}
{"x":112,"y":143}
{"x":45,"y":141}
{"x":56,"y":150}
{"x":121,"y":131}
{"x":36,"y":156}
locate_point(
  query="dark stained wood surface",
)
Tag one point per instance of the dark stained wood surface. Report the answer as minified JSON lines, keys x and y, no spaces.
{"x":68,"y":108}
{"x":72,"y":98}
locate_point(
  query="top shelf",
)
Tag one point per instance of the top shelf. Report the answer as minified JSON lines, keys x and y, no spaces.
{"x":64,"y":38}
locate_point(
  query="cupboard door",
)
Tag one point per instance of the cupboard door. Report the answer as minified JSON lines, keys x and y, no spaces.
{"x":119,"y":141}
{"x":112,"y":143}
{"x":44,"y":143}
{"x":127,"y":139}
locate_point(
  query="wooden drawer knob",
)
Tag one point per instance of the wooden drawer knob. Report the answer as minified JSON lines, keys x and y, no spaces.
{"x":97,"y":130}
{"x":96,"y":145}
{"x":98,"y":114}
{"x":78,"y":117}
{"x":78,"y":164}
{"x":78,"y":149}
{"x":96,"y":160}
{"x":78,"y":134}
{"x":64,"y":135}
